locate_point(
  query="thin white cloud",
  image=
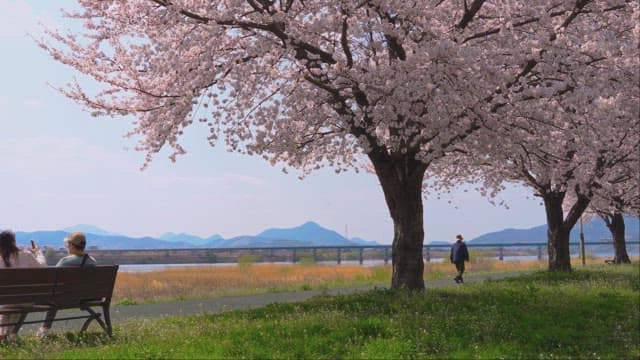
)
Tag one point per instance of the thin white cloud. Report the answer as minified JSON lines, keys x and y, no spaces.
{"x":33,"y":104}
{"x":34,"y":156}
{"x":225,"y":180}
{"x":18,"y":19}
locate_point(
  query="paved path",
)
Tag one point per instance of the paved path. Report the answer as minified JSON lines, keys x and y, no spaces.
{"x":124,"y":313}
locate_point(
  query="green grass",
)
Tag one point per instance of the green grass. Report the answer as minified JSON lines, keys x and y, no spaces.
{"x":588,"y":313}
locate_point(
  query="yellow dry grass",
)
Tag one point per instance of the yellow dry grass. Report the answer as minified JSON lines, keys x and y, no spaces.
{"x":183,"y":283}
{"x":231,"y":280}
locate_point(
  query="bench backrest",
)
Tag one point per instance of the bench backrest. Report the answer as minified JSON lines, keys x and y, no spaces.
{"x":74,"y":283}
{"x":56,"y":284}
{"x":20,"y":285}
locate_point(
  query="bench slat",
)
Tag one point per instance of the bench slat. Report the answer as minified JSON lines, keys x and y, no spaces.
{"x":25,"y":289}
{"x":8,"y":300}
{"x":26,"y":285}
{"x":26,"y":277}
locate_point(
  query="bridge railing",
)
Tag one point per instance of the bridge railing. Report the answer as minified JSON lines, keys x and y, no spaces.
{"x":316,"y":254}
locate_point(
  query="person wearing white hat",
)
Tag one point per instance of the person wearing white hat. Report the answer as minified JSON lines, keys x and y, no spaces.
{"x":76,"y":242}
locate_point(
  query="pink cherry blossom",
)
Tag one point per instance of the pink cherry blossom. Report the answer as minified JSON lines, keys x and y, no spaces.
{"x":403,"y":84}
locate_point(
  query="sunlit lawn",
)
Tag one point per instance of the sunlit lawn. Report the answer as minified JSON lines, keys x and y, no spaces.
{"x":592,"y":312}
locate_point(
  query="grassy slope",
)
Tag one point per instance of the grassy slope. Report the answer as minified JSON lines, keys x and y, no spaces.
{"x":588,"y":313}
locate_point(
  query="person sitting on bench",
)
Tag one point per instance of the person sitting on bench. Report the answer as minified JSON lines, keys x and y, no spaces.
{"x":14,"y":257}
{"x":76,"y":243}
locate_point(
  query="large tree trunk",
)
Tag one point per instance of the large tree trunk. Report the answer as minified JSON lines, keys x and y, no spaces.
{"x":559,"y":228}
{"x":401,"y":180}
{"x":557,"y":233}
{"x":616,"y":226}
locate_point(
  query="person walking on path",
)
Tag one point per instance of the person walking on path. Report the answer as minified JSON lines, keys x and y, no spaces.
{"x":459,"y":254}
{"x":14,"y":257}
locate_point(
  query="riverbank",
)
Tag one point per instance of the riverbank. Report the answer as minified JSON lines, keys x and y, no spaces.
{"x":252,"y":279}
{"x":591,"y":312}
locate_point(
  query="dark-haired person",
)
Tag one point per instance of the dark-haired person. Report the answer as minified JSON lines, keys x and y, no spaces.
{"x":15,"y":257}
{"x":459,"y":254}
{"x":76,"y":242}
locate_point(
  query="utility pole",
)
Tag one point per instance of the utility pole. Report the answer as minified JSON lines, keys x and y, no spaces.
{"x":582,"y":254}
{"x":346,"y":231}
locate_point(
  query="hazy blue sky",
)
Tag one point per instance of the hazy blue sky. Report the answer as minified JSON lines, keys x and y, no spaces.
{"x":61,"y":167}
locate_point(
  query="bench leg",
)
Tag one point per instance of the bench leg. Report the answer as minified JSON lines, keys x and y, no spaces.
{"x":48,"y":320}
{"x":94,"y":316}
{"x":107,"y":319}
{"x":15,"y":319}
{"x":19,"y":323}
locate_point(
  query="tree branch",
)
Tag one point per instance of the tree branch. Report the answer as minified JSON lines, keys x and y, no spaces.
{"x":469,"y":13}
{"x":345,"y":43}
{"x":275,"y":28}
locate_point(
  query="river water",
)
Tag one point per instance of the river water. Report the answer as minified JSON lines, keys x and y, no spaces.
{"x":158,"y":267}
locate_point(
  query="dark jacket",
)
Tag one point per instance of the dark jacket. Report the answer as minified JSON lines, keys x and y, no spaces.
{"x":459,"y":252}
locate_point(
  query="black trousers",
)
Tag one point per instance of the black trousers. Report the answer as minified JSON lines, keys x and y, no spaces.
{"x":460,"y":268}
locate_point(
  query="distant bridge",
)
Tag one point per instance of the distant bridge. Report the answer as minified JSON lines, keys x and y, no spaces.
{"x":310,"y":254}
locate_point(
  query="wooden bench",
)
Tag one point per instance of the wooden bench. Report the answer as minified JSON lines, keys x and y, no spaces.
{"x":58,"y":288}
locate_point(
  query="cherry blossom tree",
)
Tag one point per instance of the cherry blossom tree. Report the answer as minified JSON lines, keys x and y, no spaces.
{"x":309,"y":84}
{"x":623,"y":198}
{"x":564,"y":132}
{"x":614,"y":220}
{"x":612,"y":202}
{"x":567,"y":166}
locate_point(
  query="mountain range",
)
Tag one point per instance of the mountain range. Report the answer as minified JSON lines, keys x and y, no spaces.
{"x":307,"y":234}
{"x":594,"y":230}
